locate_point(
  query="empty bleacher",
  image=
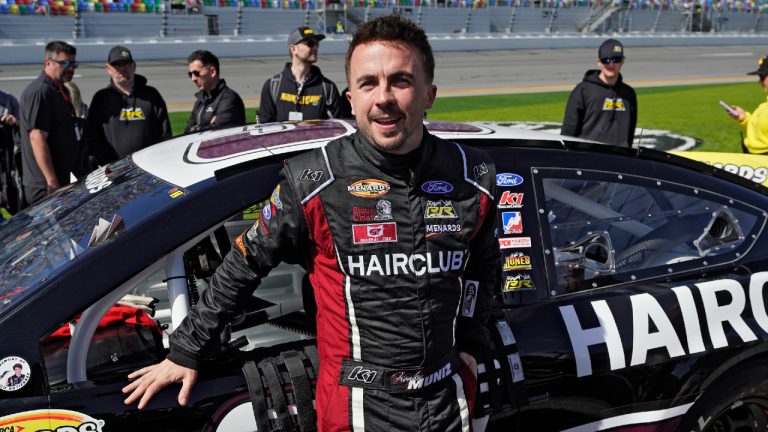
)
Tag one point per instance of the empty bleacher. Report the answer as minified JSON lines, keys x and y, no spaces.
{"x":271,"y":21}
{"x":531,"y":20}
{"x":670,"y":21}
{"x":443,"y":20}
{"x":642,"y":20}
{"x":567,"y":20}
{"x":36,"y":27}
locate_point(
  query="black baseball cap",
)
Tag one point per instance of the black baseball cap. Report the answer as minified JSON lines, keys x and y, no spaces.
{"x":119,"y":54}
{"x":762,"y":67}
{"x":303,"y":33}
{"x":610,"y":48}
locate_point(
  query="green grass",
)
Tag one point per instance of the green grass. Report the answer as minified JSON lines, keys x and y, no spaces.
{"x":687,"y":110}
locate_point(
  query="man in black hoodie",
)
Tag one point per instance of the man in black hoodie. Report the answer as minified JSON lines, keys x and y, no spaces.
{"x":127,"y":115}
{"x":602,"y":107}
{"x":300,"y":91}
{"x":216,"y":105}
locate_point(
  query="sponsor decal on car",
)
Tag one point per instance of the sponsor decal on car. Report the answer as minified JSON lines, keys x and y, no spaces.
{"x":437,"y":187}
{"x":717,"y":313}
{"x":403,"y":264}
{"x":471,"y":287}
{"x":508,"y":180}
{"x":53,"y":420}
{"x":442,"y":209}
{"x":368,"y":188}
{"x":512,"y":222}
{"x":514,"y":242}
{"x":97,"y":180}
{"x":518,"y":282}
{"x":275,"y":198}
{"x":14,"y":373}
{"x":374,"y":233}
{"x":511,"y":200}
{"x":175,"y":192}
{"x":517,"y":261}
{"x":311,"y":175}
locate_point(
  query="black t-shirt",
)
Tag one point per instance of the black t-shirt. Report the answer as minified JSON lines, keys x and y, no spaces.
{"x":43,"y":107}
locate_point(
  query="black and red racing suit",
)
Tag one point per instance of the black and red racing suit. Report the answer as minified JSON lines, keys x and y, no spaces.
{"x":402,"y":255}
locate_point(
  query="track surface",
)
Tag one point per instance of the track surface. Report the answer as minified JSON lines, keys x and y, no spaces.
{"x":457,"y":73}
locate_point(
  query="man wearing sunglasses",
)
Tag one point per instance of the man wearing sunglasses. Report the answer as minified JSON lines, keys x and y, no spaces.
{"x":300,"y":91}
{"x":216,"y":105}
{"x":127,"y":115}
{"x":602,"y":107}
{"x":49,"y":145}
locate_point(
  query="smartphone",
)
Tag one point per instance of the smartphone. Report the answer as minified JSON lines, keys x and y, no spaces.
{"x":727,"y":108}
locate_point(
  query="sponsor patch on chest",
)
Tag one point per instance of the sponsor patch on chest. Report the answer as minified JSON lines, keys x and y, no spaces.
{"x":374,"y":233}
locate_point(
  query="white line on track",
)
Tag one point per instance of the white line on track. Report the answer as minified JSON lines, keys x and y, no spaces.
{"x":26,"y":78}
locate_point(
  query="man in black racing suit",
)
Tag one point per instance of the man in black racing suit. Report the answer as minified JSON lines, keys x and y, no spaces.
{"x":396,"y":229}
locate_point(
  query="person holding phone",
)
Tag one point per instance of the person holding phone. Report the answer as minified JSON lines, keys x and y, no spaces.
{"x":754,"y":125}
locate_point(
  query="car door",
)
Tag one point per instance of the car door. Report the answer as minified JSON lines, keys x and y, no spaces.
{"x":634,"y":285}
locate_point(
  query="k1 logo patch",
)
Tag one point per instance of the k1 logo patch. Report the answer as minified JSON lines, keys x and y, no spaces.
{"x":511,"y":200}
{"x":374,"y":233}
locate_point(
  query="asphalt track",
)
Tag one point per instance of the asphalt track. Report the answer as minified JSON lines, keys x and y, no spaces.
{"x":457,"y":73}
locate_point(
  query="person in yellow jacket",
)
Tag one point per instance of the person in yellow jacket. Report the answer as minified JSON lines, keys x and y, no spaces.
{"x":754,"y":125}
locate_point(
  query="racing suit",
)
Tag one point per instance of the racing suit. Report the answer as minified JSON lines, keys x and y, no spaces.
{"x":402,"y":255}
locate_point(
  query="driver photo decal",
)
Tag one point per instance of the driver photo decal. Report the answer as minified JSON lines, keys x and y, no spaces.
{"x":14,"y":373}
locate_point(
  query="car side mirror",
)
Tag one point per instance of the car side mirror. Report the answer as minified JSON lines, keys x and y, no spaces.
{"x":723,"y":230}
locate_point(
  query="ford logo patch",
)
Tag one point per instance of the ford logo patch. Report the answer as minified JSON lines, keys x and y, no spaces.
{"x":436,"y":187}
{"x":508,"y":179}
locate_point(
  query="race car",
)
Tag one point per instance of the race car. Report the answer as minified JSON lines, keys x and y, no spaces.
{"x":631,"y":296}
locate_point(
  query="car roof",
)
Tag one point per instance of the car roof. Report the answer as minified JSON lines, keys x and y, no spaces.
{"x":190,"y":159}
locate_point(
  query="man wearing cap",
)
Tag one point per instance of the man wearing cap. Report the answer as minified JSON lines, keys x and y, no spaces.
{"x":300,"y":91}
{"x":602,"y":107}
{"x":49,"y":148}
{"x":216,"y":105}
{"x":127,"y":115}
{"x":754,"y":125}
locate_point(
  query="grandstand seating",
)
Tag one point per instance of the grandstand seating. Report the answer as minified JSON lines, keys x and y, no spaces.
{"x":642,"y":20}
{"x":670,"y":21}
{"x":24,"y":19}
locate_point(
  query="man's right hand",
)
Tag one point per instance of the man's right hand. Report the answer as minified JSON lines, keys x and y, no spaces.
{"x":151,"y":379}
{"x":53,"y":186}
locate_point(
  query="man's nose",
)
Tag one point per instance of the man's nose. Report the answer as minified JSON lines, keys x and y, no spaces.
{"x":384,"y":94}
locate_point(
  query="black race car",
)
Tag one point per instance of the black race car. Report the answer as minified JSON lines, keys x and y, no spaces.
{"x":631,"y":298}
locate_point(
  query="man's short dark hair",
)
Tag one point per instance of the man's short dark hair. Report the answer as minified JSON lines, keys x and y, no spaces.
{"x":53,"y":49}
{"x":17,"y":366}
{"x":206,"y":58}
{"x":394,"y":28}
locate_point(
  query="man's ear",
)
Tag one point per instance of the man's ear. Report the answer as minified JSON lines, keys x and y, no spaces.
{"x":348,"y":94}
{"x":431,"y":96}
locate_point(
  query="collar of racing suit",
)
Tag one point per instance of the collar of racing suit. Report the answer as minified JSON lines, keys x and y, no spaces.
{"x":405,"y":166}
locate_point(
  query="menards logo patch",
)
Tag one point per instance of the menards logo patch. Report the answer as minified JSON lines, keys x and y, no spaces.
{"x":368,"y":188}
{"x":54,"y":420}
